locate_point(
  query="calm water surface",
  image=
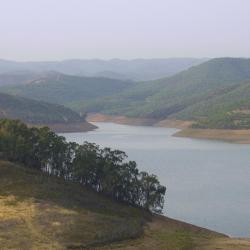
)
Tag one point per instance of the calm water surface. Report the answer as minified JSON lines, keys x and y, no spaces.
{"x":208,"y":182}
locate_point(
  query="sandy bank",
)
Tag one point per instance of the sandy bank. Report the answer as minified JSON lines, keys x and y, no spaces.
{"x":121,"y":120}
{"x":138,"y":121}
{"x":233,"y":136}
{"x":166,"y":233}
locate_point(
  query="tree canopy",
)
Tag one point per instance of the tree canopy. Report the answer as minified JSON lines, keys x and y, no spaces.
{"x":102,"y":169}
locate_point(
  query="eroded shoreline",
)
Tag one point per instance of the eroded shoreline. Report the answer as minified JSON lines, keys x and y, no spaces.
{"x":227,"y":135}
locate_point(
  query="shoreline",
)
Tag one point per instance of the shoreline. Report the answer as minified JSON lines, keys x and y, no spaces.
{"x":226,"y":135}
{"x":68,"y":127}
{"x":119,"y":119}
{"x":138,"y":121}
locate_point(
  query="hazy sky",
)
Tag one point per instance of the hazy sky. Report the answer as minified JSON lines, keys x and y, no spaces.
{"x":60,"y":29}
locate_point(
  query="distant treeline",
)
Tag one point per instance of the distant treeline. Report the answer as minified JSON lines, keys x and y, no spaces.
{"x":101,"y":169}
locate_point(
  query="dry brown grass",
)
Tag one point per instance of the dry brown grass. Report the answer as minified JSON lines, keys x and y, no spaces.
{"x":39,"y":212}
{"x":224,"y":244}
{"x":167,"y":234}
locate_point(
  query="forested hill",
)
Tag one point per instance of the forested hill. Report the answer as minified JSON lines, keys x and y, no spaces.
{"x":63,"y":89}
{"x":37,"y":112}
{"x":215,"y":94}
{"x":212,"y":93}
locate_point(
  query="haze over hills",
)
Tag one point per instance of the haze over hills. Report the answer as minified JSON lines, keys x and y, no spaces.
{"x":208,"y":93}
{"x":137,"y":69}
{"x":40,"y":113}
{"x":17,"y":77}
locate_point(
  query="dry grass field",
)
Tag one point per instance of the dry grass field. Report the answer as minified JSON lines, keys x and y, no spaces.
{"x":39,"y":212}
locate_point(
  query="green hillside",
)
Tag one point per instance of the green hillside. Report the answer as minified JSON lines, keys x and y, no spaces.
{"x":64,"y":89}
{"x":167,"y":96}
{"x":228,"y":108}
{"x":37,"y":112}
{"x":206,"y":92}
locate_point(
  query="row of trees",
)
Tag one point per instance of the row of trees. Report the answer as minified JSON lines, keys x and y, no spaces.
{"x":102,"y":169}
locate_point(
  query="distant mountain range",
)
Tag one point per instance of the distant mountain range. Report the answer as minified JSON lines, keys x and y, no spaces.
{"x":214,"y":94}
{"x":137,"y":69}
{"x":64,"y":89}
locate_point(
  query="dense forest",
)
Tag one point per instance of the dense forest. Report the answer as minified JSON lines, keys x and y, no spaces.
{"x":104,"y":170}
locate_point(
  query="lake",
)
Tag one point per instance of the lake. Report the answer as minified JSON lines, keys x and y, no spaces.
{"x":208,"y":182}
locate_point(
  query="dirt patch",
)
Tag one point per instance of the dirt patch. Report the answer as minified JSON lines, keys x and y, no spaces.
{"x":121,"y":120}
{"x":167,"y":123}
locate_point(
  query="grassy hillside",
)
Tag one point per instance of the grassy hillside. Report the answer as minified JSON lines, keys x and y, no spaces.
{"x":37,"y":112}
{"x":42,"y":212}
